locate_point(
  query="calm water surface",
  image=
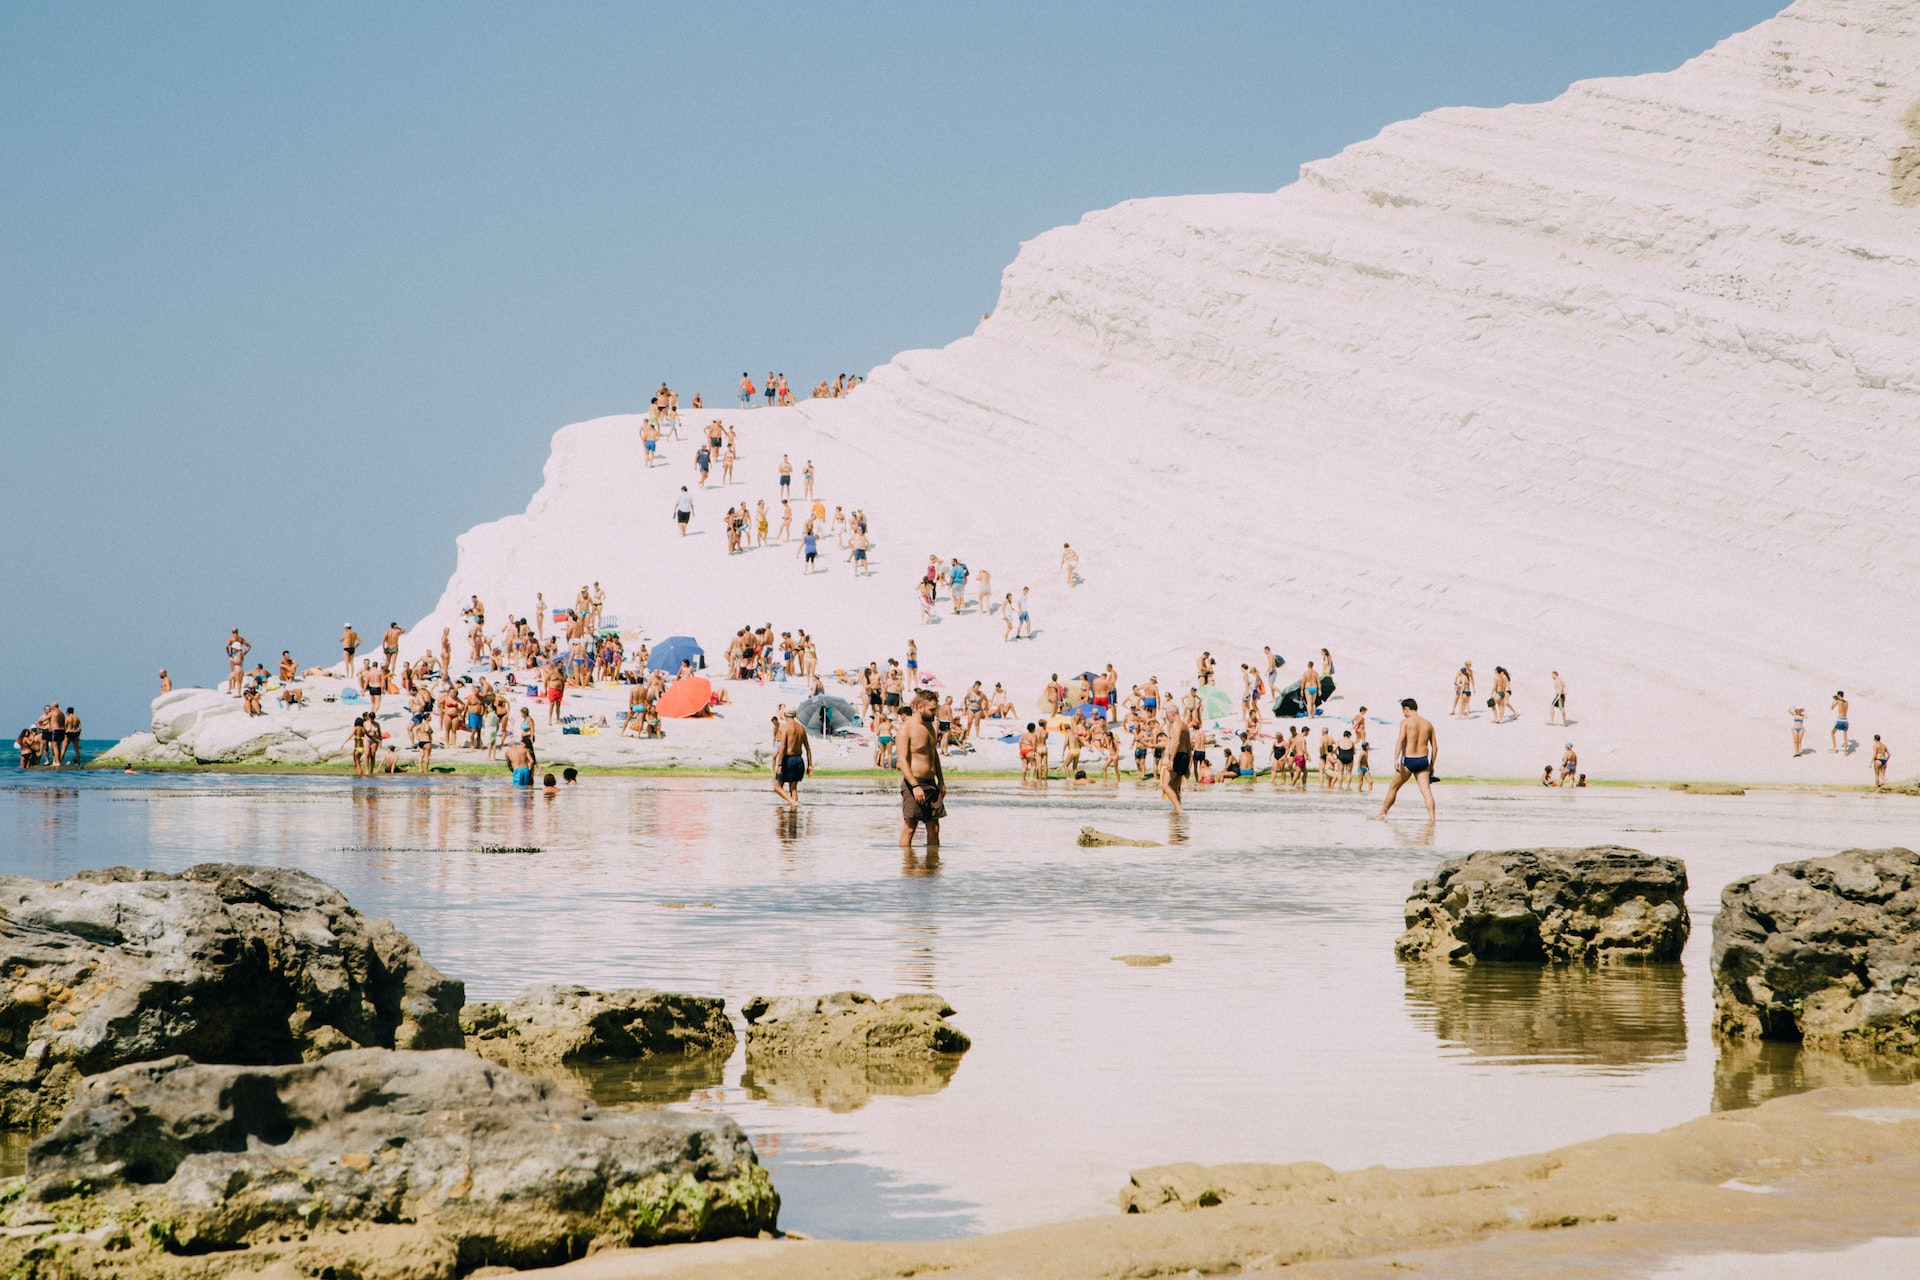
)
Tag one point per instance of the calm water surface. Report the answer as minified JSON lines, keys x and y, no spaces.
{"x":1282,"y":1030}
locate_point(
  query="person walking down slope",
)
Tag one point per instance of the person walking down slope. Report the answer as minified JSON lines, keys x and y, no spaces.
{"x":683,"y":510}
{"x":746,"y":392}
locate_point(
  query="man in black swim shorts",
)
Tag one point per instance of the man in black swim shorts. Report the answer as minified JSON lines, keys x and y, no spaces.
{"x":1179,"y":748}
{"x":792,"y":756}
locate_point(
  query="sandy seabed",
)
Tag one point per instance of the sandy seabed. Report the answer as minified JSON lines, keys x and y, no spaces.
{"x":1818,"y":1184}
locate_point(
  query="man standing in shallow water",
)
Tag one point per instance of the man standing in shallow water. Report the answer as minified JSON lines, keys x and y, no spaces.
{"x":792,"y":756}
{"x":1177,"y":763}
{"x":1415,"y":752}
{"x":923,"y":786}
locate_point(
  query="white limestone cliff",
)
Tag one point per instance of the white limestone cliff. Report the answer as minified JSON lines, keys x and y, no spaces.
{"x":1622,"y":384}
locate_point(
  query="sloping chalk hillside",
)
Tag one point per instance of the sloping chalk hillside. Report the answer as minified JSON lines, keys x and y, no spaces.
{"x":1624,"y":384}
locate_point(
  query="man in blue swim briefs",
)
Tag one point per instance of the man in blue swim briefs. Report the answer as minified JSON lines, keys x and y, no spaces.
{"x":520,"y":761}
{"x":1415,"y":752}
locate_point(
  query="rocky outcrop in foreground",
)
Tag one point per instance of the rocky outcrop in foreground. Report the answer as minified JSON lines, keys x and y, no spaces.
{"x":176,"y":1169}
{"x":1825,"y":951}
{"x":222,"y":963}
{"x":550,"y":1026}
{"x":1599,"y":905}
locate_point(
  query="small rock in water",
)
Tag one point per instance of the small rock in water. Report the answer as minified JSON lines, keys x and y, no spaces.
{"x":853,"y":1025}
{"x":1144,"y":962}
{"x":1822,"y":951}
{"x":1093,"y":838}
{"x":554,"y":1025}
{"x":838,"y":1050}
{"x":1597,"y":905}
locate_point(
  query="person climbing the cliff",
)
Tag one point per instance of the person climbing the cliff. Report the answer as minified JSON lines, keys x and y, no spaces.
{"x":1070,"y":561}
{"x":1415,"y":751}
{"x":683,"y":509}
{"x":1880,"y":753}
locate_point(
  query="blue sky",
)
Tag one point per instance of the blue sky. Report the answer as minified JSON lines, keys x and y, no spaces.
{"x":290,"y":296}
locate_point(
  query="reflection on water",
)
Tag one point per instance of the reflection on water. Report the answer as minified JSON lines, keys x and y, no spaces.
{"x":652,"y":1082}
{"x":1748,"y":1073}
{"x":13,"y":1153}
{"x":1283,"y":1029}
{"x":842,"y":1086}
{"x":1603,"y":1016}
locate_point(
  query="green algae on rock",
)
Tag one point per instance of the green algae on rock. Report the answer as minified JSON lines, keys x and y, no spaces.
{"x":177,"y":1169}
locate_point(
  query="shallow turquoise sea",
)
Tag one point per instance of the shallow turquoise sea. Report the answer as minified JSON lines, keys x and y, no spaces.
{"x":1283,"y":1028}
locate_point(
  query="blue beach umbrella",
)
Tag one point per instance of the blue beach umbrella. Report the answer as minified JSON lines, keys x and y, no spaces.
{"x":674,"y":650}
{"x":824,"y":716}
